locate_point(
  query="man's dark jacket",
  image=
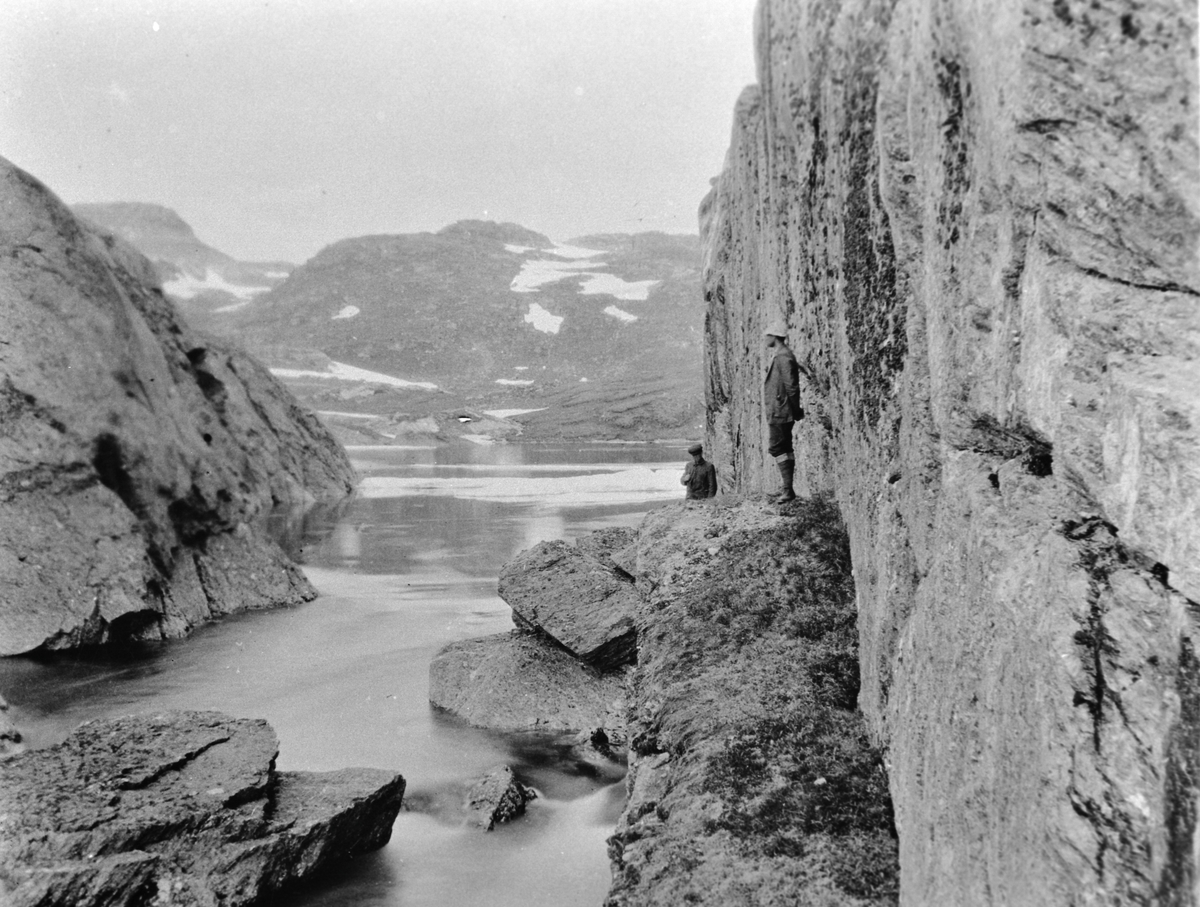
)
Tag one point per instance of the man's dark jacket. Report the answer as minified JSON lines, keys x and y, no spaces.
{"x":700,"y":479}
{"x":781,"y":396}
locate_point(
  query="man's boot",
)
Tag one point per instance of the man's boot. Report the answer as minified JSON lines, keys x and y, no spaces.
{"x":787,"y":472}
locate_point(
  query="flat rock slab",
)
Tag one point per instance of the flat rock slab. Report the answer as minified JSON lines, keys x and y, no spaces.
{"x":497,"y":797}
{"x":183,"y":805}
{"x":580,"y":602}
{"x":519,"y":682}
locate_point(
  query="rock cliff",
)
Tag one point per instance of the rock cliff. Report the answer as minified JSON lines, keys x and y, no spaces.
{"x":980,"y":222}
{"x":135,"y":455}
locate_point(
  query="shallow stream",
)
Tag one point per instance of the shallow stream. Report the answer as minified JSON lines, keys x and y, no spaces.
{"x":408,"y":566}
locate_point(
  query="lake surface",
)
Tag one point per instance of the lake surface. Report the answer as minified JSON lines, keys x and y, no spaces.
{"x":407,"y":567}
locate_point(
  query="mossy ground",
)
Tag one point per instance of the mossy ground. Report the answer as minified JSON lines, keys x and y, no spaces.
{"x":770,"y":791}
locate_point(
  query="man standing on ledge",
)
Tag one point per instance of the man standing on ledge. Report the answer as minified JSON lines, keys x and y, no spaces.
{"x":699,"y":476}
{"x":781,"y":400}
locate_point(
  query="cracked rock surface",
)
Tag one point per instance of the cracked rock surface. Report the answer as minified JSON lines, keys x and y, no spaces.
{"x":185,"y":808}
{"x":980,"y":224}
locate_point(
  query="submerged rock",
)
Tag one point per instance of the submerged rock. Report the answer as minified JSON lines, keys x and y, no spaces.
{"x":581,"y":603}
{"x":136,"y":456}
{"x":185,"y":806}
{"x":497,"y":797}
{"x":520,"y":682}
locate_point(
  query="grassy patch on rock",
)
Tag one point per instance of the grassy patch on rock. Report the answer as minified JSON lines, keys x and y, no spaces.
{"x":753,"y":780}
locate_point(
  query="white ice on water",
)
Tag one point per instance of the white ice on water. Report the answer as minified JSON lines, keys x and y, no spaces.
{"x":623,"y":486}
{"x":339,"y":371}
{"x":514,"y":382}
{"x":509,"y":413}
{"x":346,"y":312}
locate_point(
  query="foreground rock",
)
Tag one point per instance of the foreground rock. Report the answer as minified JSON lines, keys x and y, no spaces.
{"x":578,"y":601}
{"x":497,"y":797}
{"x":519,"y":682}
{"x":10,"y":736}
{"x":184,"y":807}
{"x":135,"y":456}
{"x":980,"y":225}
{"x":751,"y":778}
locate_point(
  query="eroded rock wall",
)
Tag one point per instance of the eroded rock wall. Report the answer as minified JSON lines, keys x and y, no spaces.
{"x":981,"y":223}
{"x":135,"y":455}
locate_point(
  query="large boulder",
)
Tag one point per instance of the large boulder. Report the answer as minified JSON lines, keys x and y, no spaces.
{"x":136,"y":456}
{"x":581,"y":603}
{"x":519,"y":682}
{"x":980,"y":223}
{"x":184,"y":806}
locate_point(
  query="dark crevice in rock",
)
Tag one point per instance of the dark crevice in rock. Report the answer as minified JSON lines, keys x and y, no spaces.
{"x":108,"y":458}
{"x":1017,"y":440}
{"x":1182,"y":789}
{"x":1166,"y":287}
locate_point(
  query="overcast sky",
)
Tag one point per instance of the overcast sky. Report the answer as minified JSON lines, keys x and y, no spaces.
{"x":275,"y":128}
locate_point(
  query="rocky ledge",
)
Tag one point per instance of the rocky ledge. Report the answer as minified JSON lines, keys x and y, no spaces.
{"x":185,"y":808}
{"x":751,"y":777}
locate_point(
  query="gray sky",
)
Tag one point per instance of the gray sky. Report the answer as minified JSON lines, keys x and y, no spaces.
{"x":275,"y":128}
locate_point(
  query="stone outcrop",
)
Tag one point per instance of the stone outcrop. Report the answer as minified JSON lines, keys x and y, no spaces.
{"x":980,"y":222}
{"x":136,"y":456}
{"x":751,"y":778}
{"x":497,"y":797}
{"x":520,"y":682}
{"x":182,"y":808}
{"x":581,"y":603}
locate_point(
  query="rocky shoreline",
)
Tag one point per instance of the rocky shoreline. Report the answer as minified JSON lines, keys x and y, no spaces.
{"x":751,"y":776}
{"x":182,"y":808}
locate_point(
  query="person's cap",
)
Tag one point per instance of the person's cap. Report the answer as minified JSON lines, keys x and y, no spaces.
{"x":776,"y":329}
{"x":696,"y":448}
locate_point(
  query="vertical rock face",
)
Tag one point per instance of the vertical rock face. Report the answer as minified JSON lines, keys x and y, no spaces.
{"x":134,"y":455}
{"x":981,"y":223}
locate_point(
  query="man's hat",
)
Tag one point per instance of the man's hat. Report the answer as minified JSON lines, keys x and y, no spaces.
{"x":776,"y":329}
{"x":696,"y":448}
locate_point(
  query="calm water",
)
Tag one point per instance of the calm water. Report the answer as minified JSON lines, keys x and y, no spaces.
{"x":408,"y":566}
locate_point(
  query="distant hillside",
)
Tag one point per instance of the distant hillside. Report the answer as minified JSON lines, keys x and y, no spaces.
{"x":201,"y":279}
{"x":598,"y":337}
{"x":499,"y":316}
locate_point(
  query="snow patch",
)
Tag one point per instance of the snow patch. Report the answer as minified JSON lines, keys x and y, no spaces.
{"x":573,"y":251}
{"x":542,"y":320}
{"x":341,"y":415}
{"x":517,"y":250}
{"x":187,"y":286}
{"x":611,"y":285}
{"x":520,"y":368}
{"x":339,"y":371}
{"x":512,"y":382}
{"x":541,"y":271}
{"x":275,"y":275}
{"x":620,"y":314}
{"x":346,"y":312}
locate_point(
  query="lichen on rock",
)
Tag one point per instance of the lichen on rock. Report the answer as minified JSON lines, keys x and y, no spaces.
{"x":980,"y":223}
{"x":185,"y":807}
